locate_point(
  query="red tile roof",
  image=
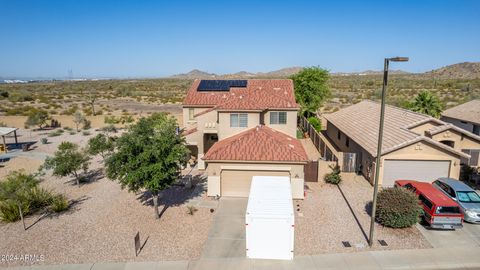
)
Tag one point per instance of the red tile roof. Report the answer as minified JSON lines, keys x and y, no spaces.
{"x":189,"y":131}
{"x":258,"y":144}
{"x":258,"y":95}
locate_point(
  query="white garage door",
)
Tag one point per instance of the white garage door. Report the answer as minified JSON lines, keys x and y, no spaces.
{"x":237,"y":183}
{"x":421,"y":170}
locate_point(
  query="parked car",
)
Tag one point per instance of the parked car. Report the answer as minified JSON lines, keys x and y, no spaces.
{"x":465,"y":196}
{"x":439,"y":210}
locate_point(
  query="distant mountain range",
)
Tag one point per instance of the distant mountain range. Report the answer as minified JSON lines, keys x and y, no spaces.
{"x":199,"y":74}
{"x":467,"y":70}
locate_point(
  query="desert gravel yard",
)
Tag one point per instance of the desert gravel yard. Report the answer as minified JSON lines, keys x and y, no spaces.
{"x":325,"y":220}
{"x":101,"y":224}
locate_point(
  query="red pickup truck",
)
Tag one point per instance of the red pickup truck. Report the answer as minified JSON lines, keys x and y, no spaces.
{"x":439,"y":211}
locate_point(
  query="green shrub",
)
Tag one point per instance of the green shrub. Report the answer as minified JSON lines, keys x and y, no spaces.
{"x":334,"y":176}
{"x":191,"y":210}
{"x":22,"y":189}
{"x":109,"y":129}
{"x":87,"y":124}
{"x":300,"y":134}
{"x":56,"y":133}
{"x":44,"y":140}
{"x":4,"y":94}
{"x":466,"y":173}
{"x":86,"y":133}
{"x":9,"y":211}
{"x":20,"y":96}
{"x":38,"y":198}
{"x":59,"y":203}
{"x":397,"y":208}
{"x":315,"y":122}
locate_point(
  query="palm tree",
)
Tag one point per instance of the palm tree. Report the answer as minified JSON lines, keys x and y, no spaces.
{"x":427,"y":103}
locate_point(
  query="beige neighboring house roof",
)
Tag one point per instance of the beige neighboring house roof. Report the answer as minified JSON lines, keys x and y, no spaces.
{"x":360,"y":122}
{"x":450,"y":126}
{"x":469,"y":112}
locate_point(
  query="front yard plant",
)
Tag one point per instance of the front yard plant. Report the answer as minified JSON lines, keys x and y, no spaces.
{"x":20,"y":195}
{"x":333,"y":177}
{"x":315,"y":122}
{"x":150,"y":156}
{"x":397,"y":208}
{"x":68,"y":160}
{"x":101,"y":145}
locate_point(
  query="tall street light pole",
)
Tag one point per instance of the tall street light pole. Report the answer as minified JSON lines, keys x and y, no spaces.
{"x":380,"y":138}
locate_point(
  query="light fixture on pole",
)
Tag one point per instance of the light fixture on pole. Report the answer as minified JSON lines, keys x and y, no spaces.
{"x":380,"y":137}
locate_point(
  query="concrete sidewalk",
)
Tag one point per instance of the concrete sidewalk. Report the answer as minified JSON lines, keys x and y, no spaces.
{"x":437,"y":258}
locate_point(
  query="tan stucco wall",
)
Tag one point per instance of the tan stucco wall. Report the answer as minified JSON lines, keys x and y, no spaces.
{"x":463,"y":125}
{"x":290,"y":128}
{"x":190,"y":123}
{"x":423,"y":151}
{"x":424,"y":127}
{"x":365,"y":157}
{"x":461,"y":141}
{"x":214,"y":170}
{"x":224,"y":129}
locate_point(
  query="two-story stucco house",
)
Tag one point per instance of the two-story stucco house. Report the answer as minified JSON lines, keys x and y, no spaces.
{"x":242,"y":128}
{"x":415,"y":146}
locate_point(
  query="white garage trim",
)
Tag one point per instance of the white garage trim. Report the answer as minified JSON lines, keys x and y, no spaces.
{"x":420,"y":170}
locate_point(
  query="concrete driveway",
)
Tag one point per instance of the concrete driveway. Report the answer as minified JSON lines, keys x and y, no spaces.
{"x":468,"y":236}
{"x":226,"y":238}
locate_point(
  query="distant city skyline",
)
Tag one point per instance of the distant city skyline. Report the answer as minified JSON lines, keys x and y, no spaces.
{"x":118,"y":39}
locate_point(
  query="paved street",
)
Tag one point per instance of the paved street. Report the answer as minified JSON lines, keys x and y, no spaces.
{"x":468,"y":236}
{"x":438,"y":258}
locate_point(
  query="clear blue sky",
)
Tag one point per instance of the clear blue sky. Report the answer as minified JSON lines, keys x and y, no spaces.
{"x":159,"y":38}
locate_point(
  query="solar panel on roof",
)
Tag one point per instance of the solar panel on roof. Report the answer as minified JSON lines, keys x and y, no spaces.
{"x":220,"y":85}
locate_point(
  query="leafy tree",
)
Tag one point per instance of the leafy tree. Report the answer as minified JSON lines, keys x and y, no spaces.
{"x":37,"y":118}
{"x":149,"y":156}
{"x":311,"y":89}
{"x":68,"y":160}
{"x":427,"y":103}
{"x":78,"y":119}
{"x":315,"y":122}
{"x":100,"y":145}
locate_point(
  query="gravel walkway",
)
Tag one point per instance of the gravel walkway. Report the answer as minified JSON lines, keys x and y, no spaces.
{"x":325,"y":220}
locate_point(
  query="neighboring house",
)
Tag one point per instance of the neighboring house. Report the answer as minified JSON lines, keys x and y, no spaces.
{"x":465,"y":116}
{"x":415,"y":146}
{"x":241,"y":128}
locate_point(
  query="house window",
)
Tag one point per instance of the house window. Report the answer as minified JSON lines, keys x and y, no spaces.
{"x":278,"y":118}
{"x":238,"y":120}
{"x":339,"y":135}
{"x":347,"y":142}
{"x":191,"y":113}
